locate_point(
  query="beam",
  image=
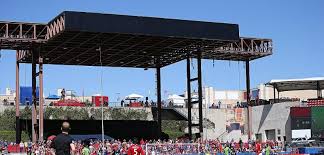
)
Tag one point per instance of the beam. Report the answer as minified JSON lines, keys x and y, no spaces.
{"x":164,"y":49}
{"x":247,"y":74}
{"x":274,"y":93}
{"x":159,"y":99}
{"x":62,"y":44}
{"x":319,"y":90}
{"x":105,"y":50}
{"x":34,"y":97}
{"x":67,"y":52}
{"x":189,"y":97}
{"x":123,"y":50}
{"x":41,"y":100}
{"x":200,"y":92}
{"x":141,"y":51}
{"x":7,"y":31}
{"x":34,"y":32}
{"x":20,"y":30}
{"x":93,"y":48}
{"x":18,"y":131}
{"x":116,"y":45}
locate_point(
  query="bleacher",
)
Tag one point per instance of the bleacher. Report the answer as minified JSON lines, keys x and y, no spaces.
{"x":315,"y":102}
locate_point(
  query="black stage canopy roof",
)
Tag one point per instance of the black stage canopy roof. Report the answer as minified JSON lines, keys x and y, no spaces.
{"x":74,"y":38}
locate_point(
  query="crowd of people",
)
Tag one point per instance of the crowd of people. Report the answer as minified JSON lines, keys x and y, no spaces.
{"x":63,"y":144}
{"x":152,"y":147}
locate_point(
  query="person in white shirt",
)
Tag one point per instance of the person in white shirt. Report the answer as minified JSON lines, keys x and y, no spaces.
{"x":21,"y":146}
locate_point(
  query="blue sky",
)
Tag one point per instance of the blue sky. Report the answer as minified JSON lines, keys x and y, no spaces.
{"x":296,"y":27}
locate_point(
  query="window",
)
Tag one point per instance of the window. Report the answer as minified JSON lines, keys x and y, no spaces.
{"x":279,"y":138}
{"x":258,"y":136}
{"x":278,"y":131}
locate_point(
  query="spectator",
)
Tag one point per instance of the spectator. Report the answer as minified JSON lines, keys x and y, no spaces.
{"x":63,"y":142}
{"x":241,"y":143}
{"x":86,"y":150}
{"x":115,"y":149}
{"x":135,"y":149}
{"x":124,"y":149}
{"x":146,"y":102}
{"x":63,"y":94}
{"x":21,"y":146}
{"x":268,"y":150}
{"x":178,"y":146}
{"x":170,"y":104}
{"x":26,"y":146}
{"x":227,"y":150}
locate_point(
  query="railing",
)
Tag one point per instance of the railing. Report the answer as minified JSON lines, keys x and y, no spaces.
{"x":16,"y":35}
{"x":249,"y":45}
{"x":221,"y":136}
{"x":178,"y":148}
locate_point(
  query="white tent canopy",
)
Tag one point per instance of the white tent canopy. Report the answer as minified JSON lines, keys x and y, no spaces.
{"x":176,"y":100}
{"x":175,"y":96}
{"x":133,"y":97}
{"x":316,"y":83}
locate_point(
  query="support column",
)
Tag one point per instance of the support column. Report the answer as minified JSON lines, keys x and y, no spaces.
{"x":200,"y":92}
{"x":18,"y":131}
{"x":274,"y":93}
{"x":247,"y":74}
{"x":34,"y":98}
{"x":319,"y":90}
{"x":189,"y":97}
{"x":41,"y":100}
{"x":159,"y":100}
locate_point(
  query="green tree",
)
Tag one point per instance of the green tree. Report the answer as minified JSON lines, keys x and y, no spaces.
{"x":26,"y":113}
{"x":8,"y":119}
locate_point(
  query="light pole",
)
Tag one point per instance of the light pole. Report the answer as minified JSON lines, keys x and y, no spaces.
{"x":118,"y":99}
{"x":102,"y":100}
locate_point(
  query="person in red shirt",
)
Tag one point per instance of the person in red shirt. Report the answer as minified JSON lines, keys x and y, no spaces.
{"x":135,"y":149}
{"x":220,"y":147}
{"x":142,"y":142}
{"x":258,"y":148}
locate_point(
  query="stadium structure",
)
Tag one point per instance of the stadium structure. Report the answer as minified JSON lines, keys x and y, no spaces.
{"x":94,"y":39}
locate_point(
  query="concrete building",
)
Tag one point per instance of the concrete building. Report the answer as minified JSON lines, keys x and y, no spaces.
{"x":226,"y":98}
{"x":272,"y":122}
{"x":8,"y":98}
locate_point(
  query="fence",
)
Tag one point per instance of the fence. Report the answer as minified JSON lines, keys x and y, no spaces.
{"x":172,"y":149}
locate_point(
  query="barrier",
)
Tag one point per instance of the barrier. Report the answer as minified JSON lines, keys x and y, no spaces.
{"x":246,"y":153}
{"x":294,"y":154}
{"x":311,"y":150}
{"x":179,"y":148}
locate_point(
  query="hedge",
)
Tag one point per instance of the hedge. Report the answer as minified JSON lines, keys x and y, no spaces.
{"x":10,"y":136}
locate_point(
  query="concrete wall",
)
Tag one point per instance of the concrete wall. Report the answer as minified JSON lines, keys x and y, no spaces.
{"x":216,"y":116}
{"x":266,"y":118}
{"x":220,"y":118}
